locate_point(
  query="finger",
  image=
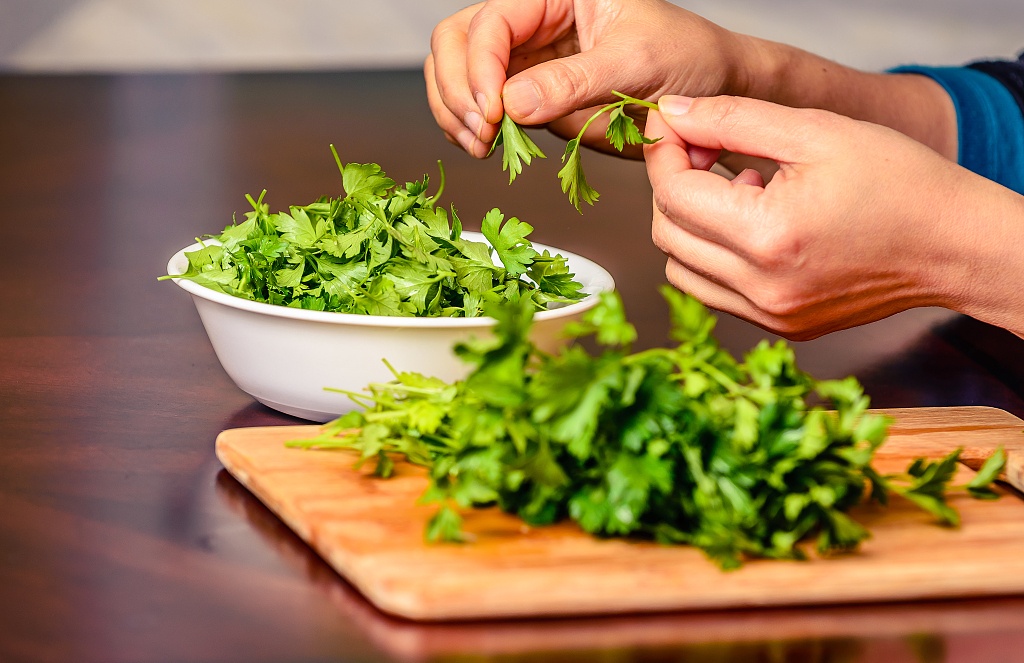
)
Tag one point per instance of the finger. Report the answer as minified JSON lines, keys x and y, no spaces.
{"x":722,"y":299}
{"x":558,"y":87}
{"x":711,"y":294}
{"x":522,"y":58}
{"x":749,"y":176}
{"x":707,"y":272}
{"x":703,"y":203}
{"x":448,"y":80}
{"x":497,"y":28}
{"x":748,"y":126}
{"x":452,"y":126}
{"x":702,"y":158}
{"x":713,"y":262}
{"x":728,"y":301}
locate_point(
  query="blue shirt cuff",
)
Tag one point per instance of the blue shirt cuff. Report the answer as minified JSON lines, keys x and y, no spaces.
{"x":990,"y":126}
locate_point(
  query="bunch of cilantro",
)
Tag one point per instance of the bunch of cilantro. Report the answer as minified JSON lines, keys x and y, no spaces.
{"x":680,"y":445}
{"x":381,"y":249}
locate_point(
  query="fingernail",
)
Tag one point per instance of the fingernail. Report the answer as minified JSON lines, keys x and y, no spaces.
{"x":672,"y":104}
{"x":474,"y":121}
{"x":522,"y":96}
{"x":481,"y":101}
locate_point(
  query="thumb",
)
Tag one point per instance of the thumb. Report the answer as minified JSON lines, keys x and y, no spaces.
{"x":747,"y":126}
{"x":556,"y":88}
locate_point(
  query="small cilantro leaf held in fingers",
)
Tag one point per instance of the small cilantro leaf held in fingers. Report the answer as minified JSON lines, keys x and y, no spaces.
{"x":517,"y":147}
{"x":621,"y":131}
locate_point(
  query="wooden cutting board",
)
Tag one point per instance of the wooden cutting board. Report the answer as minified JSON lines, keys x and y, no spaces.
{"x":371,"y":531}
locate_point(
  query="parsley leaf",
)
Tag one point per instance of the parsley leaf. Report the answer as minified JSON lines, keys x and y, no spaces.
{"x":979,"y":486}
{"x":509,"y":240}
{"x":517,"y":148}
{"x":380,"y":249}
{"x":621,"y":131}
{"x":574,"y":182}
{"x":683,"y":445}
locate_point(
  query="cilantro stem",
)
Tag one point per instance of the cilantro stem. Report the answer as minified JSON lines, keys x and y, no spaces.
{"x":621,"y":131}
{"x":364,"y":400}
{"x":440,"y":188}
{"x":633,"y":100}
{"x":337,"y":160}
{"x":733,"y":463}
{"x":625,"y":101}
{"x":731,"y":385}
{"x":408,"y":389}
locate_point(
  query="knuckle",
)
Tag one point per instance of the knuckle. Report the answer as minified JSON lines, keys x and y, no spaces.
{"x":660,"y":231}
{"x":819,"y":129}
{"x":776,"y":247}
{"x":429,"y":74}
{"x":676,"y":275}
{"x":569,"y":77}
{"x":779,"y":303}
{"x":785,"y":307}
{"x":439,"y":35}
{"x":802,"y":334}
{"x":793,"y":330}
{"x":723,"y":112}
{"x":664,"y":202}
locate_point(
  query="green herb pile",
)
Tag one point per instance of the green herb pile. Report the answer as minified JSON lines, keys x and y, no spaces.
{"x":382,"y":249}
{"x":621,"y":131}
{"x":680,"y":445}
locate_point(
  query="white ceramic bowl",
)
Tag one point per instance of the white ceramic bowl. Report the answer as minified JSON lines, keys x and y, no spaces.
{"x":318,"y":349}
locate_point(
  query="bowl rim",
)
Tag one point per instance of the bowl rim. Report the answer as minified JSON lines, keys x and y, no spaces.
{"x":601,"y":281}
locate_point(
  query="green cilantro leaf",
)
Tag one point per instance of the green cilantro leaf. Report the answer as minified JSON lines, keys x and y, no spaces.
{"x":683,"y":445}
{"x":509,"y":241}
{"x":980,"y":486}
{"x":365,"y":181}
{"x":517,"y":148}
{"x":381,"y":249}
{"x":574,"y":182}
{"x":621,"y":131}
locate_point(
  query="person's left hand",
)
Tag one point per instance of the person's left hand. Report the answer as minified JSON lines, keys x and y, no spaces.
{"x":859,"y":223}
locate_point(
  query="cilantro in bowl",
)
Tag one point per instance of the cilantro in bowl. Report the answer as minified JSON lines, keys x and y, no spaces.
{"x":381,"y":249}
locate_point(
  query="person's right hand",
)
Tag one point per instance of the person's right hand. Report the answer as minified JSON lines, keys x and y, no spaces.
{"x":542,"y":61}
{"x":860,"y":222}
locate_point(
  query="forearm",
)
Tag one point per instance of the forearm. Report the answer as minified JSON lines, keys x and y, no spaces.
{"x":911,"y":104}
{"x":980,"y":270}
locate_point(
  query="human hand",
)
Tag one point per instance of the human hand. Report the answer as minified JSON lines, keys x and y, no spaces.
{"x":548,"y":61}
{"x":860,"y":222}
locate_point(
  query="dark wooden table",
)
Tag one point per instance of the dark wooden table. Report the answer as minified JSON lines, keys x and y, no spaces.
{"x":122,"y":539}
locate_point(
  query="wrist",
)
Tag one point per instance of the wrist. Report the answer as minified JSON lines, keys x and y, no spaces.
{"x":981,"y":276}
{"x":912,"y":104}
{"x":753,"y":66}
{"x":774,"y":72}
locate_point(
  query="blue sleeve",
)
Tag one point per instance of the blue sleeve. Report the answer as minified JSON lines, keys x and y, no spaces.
{"x":990,"y":123}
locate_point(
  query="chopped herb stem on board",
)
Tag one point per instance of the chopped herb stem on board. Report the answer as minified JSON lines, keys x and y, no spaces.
{"x":682,"y":445}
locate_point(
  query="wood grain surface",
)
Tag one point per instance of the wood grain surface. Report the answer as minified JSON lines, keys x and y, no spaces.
{"x":371,"y":531}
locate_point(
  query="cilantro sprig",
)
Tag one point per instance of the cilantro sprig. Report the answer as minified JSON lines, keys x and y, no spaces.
{"x":682,"y":445}
{"x":379,"y":249}
{"x":621,"y":131}
{"x":517,"y":148}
